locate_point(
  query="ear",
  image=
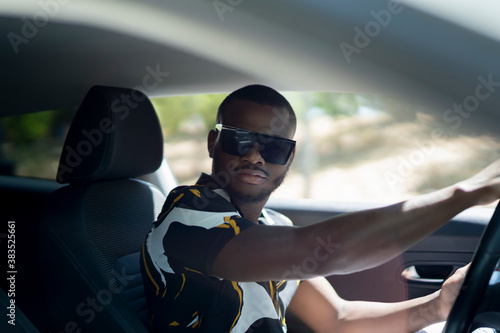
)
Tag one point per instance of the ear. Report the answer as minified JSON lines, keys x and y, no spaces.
{"x":212,"y":138}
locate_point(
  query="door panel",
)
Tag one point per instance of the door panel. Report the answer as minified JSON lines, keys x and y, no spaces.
{"x":443,"y":252}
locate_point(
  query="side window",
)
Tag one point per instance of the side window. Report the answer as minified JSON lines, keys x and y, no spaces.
{"x":30,"y":144}
{"x":186,"y":121}
{"x":350,"y":147}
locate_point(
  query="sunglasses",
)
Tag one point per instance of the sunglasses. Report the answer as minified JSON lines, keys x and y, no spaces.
{"x":239,"y":142}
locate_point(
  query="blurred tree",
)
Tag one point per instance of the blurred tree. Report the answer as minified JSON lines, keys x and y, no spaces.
{"x":28,"y":128}
{"x":336,"y":104}
{"x":178,"y":113}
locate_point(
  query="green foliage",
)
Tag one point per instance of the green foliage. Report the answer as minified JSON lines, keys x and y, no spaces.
{"x":336,"y":104}
{"x":193,"y":114}
{"x":31,"y":127}
{"x":196,"y":114}
{"x":176,"y":113}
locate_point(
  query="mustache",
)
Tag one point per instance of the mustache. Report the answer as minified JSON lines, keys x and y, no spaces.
{"x":251,"y":167}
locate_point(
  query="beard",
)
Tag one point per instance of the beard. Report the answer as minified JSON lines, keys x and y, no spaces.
{"x":260,"y":196}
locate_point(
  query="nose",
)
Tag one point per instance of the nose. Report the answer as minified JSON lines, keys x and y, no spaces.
{"x":254,"y":156}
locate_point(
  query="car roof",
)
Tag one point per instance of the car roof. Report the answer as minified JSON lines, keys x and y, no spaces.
{"x":53,"y":51}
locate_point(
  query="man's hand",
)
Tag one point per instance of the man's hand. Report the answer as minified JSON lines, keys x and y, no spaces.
{"x":485,"y":185}
{"x":317,"y":304}
{"x":450,"y":290}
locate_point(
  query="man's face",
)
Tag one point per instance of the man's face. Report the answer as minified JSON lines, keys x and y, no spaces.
{"x":249,"y":177}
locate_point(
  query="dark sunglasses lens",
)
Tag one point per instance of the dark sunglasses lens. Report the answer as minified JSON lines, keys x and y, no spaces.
{"x":276,"y":151}
{"x":236,"y":142}
{"x":240,"y":142}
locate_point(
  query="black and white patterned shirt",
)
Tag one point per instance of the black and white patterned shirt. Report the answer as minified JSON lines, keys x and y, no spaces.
{"x":194,"y":225}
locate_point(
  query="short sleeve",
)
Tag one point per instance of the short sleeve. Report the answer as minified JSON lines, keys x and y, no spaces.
{"x":197,"y":225}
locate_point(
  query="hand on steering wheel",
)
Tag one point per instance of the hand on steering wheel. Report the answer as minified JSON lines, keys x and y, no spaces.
{"x":476,"y":280}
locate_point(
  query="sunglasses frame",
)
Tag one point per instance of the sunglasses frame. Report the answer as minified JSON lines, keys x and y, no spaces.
{"x":263,"y":140}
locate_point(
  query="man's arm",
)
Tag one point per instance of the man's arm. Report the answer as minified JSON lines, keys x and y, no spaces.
{"x":349,"y":242}
{"x":317,"y":304}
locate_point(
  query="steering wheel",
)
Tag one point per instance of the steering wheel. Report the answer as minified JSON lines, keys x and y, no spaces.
{"x":476,"y":280}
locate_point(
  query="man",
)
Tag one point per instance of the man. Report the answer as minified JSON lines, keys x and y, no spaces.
{"x":217,"y":261}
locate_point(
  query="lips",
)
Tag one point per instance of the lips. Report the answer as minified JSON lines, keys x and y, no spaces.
{"x":250,"y":176}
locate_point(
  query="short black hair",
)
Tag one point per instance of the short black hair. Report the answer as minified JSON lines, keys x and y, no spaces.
{"x":259,"y":94}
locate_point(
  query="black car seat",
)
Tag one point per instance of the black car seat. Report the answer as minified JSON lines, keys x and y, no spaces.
{"x":93,"y":228}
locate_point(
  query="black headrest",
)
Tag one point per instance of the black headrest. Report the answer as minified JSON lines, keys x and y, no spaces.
{"x":115,"y":134}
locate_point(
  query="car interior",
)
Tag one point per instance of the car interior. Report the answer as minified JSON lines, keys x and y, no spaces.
{"x":78,"y":237}
{"x":102,"y":188}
